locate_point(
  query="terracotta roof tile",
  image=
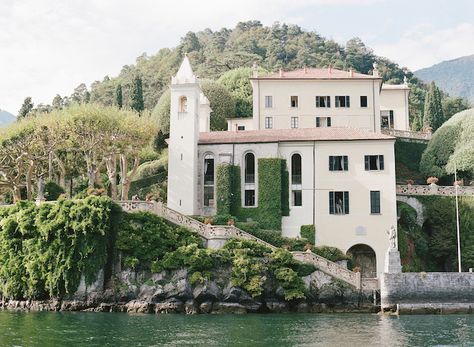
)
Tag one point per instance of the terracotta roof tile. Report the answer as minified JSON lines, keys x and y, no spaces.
{"x":313,"y":73}
{"x":288,"y":135}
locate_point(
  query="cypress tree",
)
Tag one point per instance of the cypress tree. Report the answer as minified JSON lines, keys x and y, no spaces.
{"x":433,"y":116}
{"x":25,"y":108}
{"x":136,"y":95}
{"x":118,"y":96}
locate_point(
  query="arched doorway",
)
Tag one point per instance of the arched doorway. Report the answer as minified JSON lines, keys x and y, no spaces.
{"x":363,"y":257}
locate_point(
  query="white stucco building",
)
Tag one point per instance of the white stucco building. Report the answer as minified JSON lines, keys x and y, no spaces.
{"x":325,"y":124}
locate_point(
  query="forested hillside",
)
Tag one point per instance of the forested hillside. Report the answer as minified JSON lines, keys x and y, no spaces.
{"x":213,"y":53}
{"x":455,"y":77}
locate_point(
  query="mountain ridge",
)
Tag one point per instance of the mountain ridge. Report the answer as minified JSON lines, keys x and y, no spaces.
{"x":6,"y":118}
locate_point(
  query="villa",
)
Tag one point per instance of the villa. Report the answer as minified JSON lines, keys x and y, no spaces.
{"x":312,"y":154}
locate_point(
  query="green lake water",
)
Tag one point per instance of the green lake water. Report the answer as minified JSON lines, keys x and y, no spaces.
{"x":116,"y":329}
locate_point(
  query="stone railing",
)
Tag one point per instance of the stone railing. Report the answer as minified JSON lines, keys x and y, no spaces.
{"x":407,"y":134}
{"x":434,"y":189}
{"x":330,"y":268}
{"x":211,"y":232}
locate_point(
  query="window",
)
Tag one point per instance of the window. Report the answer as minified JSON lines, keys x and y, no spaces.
{"x":323,"y":101}
{"x":268,"y":101}
{"x":363,"y":101}
{"x":293,"y":101}
{"x":208,"y":180}
{"x":294,"y":122}
{"x":296,"y":190}
{"x":374,"y":162}
{"x":240,"y":127}
{"x":386,"y":119}
{"x":338,"y":163}
{"x":338,"y":202}
{"x":343,"y":101}
{"x":268,"y":122}
{"x":183,"y":104}
{"x":249,"y":179}
{"x":374,"y":201}
{"x":323,"y":122}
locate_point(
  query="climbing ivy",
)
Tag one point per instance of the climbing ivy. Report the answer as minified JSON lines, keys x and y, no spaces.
{"x":45,"y":249}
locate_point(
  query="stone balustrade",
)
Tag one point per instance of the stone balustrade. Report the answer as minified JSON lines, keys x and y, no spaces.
{"x":406,"y":134}
{"x":212,"y":232}
{"x":434,"y":189}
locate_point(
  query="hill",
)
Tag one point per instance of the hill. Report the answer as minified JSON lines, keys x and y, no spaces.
{"x":6,"y":118}
{"x":455,"y":77}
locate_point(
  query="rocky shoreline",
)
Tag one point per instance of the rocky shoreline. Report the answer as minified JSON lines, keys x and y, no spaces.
{"x":172,"y":292}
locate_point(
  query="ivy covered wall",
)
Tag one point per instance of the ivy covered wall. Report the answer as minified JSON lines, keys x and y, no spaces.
{"x":272,"y":195}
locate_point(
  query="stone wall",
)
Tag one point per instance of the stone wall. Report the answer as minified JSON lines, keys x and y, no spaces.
{"x":419,"y":292}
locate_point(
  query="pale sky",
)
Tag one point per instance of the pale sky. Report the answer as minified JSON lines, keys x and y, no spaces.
{"x":50,"y":46}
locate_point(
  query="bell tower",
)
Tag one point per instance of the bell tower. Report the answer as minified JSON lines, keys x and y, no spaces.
{"x":186,"y":99}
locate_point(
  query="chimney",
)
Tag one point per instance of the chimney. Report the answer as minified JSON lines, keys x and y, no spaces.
{"x":281,"y":73}
{"x":375,"y":71}
{"x":351,"y":72}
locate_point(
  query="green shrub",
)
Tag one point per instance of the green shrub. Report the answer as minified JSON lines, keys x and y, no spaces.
{"x":146,"y":237}
{"x":308,"y":232}
{"x":52,"y":191}
{"x":330,"y":253}
{"x":45,"y":249}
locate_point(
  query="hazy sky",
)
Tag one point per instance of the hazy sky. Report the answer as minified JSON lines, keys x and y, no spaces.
{"x":50,"y":46}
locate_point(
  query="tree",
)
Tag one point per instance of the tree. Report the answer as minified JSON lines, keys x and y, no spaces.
{"x":25,"y":108}
{"x":57,"y":102}
{"x":358,"y":56}
{"x":81,"y":95}
{"x":118,"y":96}
{"x":433,"y":116}
{"x":136,"y":95}
{"x":161,"y":112}
{"x":222,"y":104}
{"x":453,"y":105}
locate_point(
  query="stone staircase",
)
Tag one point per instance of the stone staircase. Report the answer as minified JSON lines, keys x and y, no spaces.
{"x":216,"y":236}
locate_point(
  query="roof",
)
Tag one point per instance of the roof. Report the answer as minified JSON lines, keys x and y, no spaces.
{"x":395,"y":87}
{"x":313,"y":73}
{"x":290,"y":135}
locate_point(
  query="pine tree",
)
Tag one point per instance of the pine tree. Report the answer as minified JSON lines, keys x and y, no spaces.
{"x":136,"y":95}
{"x":433,"y":116}
{"x":118,"y":96}
{"x":25,"y":108}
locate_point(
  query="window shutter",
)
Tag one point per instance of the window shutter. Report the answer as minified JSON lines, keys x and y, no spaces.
{"x":328,"y":100}
{"x":366,"y":159}
{"x":381,"y":162}
{"x":318,"y":122}
{"x":346,"y":163}
{"x":331,"y":165}
{"x":318,"y":103}
{"x":346,"y":202}
{"x":331,"y":202}
{"x":329,"y":121}
{"x":348,"y":101}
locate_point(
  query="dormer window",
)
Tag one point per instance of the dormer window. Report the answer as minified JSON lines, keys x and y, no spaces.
{"x":183,"y":104}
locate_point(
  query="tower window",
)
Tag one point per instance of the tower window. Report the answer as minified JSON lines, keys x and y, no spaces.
{"x":183,"y":104}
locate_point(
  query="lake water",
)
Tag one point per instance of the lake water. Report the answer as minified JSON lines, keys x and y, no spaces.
{"x":115,"y":329}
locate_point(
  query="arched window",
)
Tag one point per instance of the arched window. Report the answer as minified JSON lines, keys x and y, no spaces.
{"x":183,"y":104}
{"x":209,"y":180}
{"x":249,"y":179}
{"x":296,"y":180}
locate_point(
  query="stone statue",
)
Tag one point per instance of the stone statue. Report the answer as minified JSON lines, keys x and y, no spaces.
{"x":392,"y":237}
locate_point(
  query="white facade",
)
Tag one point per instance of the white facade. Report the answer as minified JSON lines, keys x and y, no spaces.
{"x":350,"y":198}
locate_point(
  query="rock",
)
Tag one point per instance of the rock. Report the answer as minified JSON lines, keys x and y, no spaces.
{"x":181,"y":289}
{"x":228,"y":307}
{"x":277,"y":306}
{"x":302,"y":307}
{"x":190,"y":307}
{"x":236,"y":294}
{"x":104,"y":307}
{"x":318,"y":308}
{"x":72,"y":305}
{"x":171,"y":306}
{"x":158,"y":277}
{"x":207,"y":291}
{"x":205,"y":307}
{"x":136,"y":306}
